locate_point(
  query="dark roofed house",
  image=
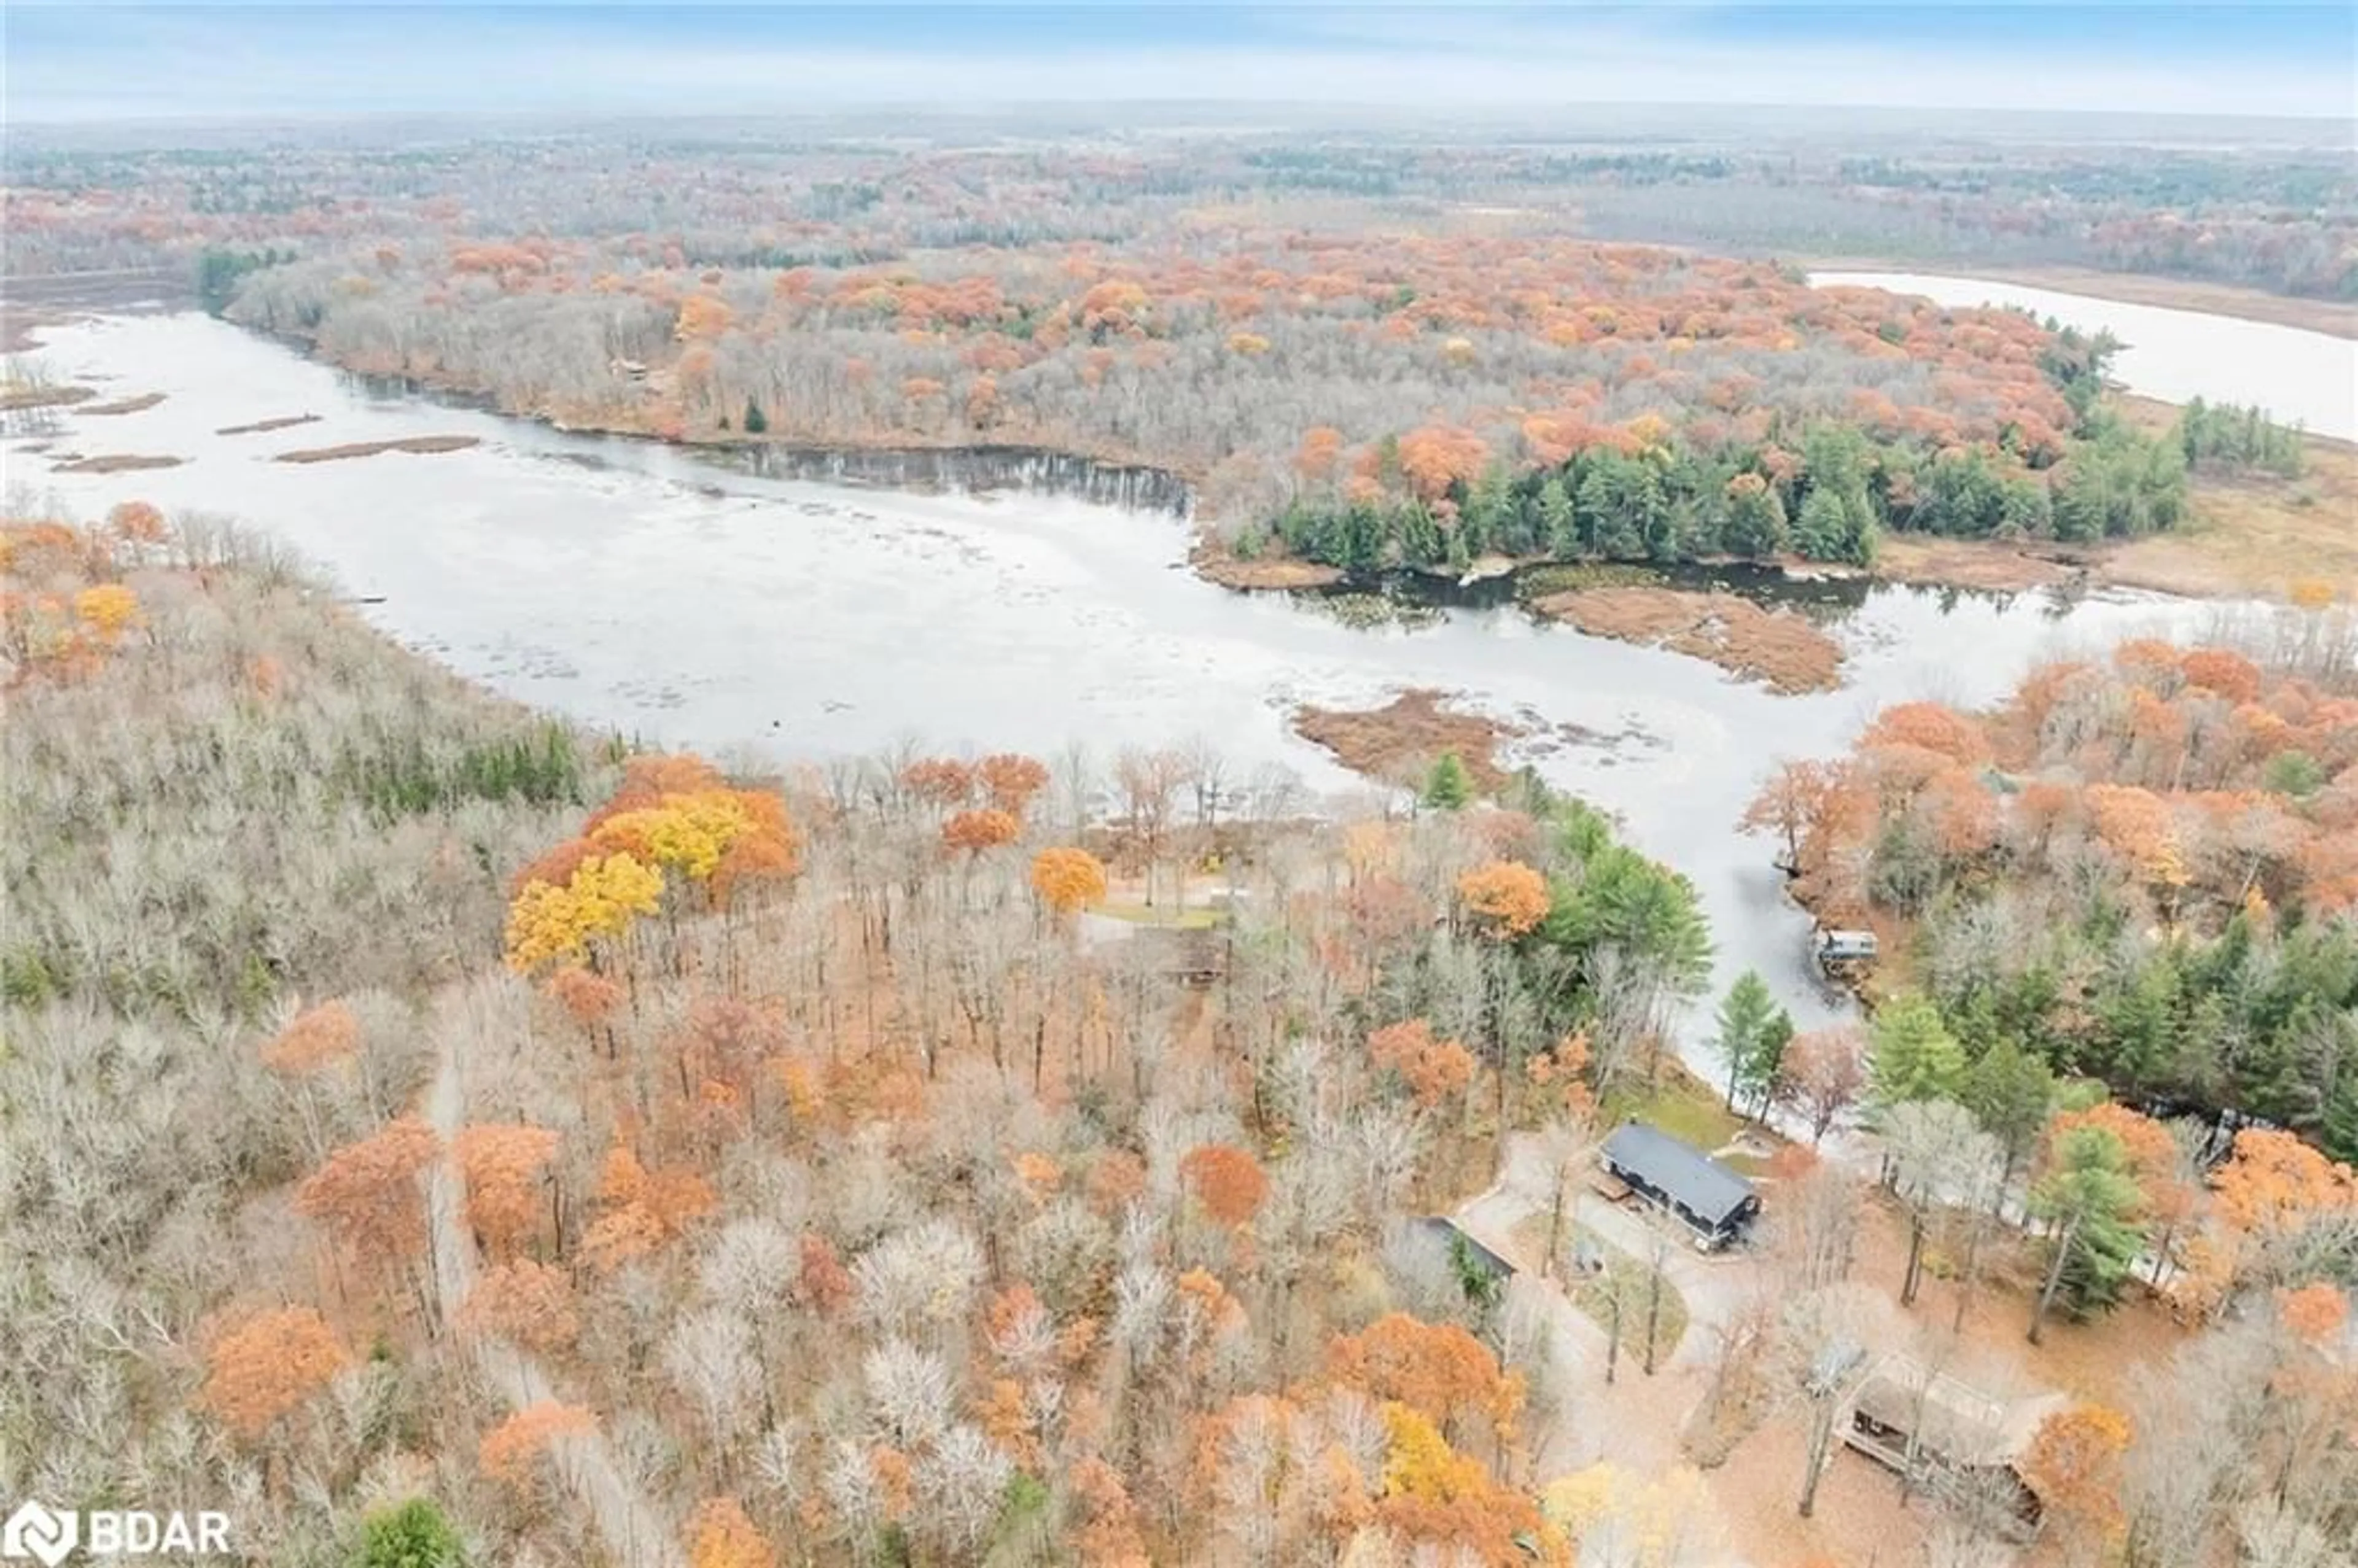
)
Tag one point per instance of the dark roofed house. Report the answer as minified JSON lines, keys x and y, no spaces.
{"x":1712,"y":1201}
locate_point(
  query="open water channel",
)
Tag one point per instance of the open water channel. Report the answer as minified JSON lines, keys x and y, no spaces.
{"x":696,"y":603}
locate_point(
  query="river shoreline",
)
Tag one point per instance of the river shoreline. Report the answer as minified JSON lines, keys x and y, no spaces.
{"x":673,"y":594}
{"x":2206,"y":567}
{"x":2335,"y":319}
{"x":2205,"y":562}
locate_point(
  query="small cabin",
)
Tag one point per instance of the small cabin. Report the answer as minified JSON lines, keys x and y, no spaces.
{"x":1192,"y":956}
{"x":1921,"y":1422}
{"x":1839,"y":950}
{"x":1457,"y":1243}
{"x":1706,"y":1197}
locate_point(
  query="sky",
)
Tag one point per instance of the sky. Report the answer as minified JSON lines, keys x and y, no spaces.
{"x":90,"y":61}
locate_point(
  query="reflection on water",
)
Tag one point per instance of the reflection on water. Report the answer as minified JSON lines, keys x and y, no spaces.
{"x":698,"y":602}
{"x":1826,"y":601}
{"x":978,"y":471}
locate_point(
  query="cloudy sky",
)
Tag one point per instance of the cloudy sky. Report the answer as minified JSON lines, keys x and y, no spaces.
{"x":91,"y":60}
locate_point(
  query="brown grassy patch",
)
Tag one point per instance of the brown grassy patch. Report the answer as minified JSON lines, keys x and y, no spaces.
{"x":116,"y":462}
{"x":1773,"y":645}
{"x":145,"y":401}
{"x":1403,"y":739}
{"x":2249,"y":533}
{"x":1938,"y":562}
{"x":13,"y":398}
{"x":285,"y":423}
{"x":421,"y":444}
{"x":1214,"y":564}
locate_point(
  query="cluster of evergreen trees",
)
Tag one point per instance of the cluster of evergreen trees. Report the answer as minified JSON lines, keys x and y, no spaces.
{"x":219,"y":272}
{"x":1603,"y":896}
{"x":1679,"y":500}
{"x":2263,"y":1023}
{"x":2225,"y":435}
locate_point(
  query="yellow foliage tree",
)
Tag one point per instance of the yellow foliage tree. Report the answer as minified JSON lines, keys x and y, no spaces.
{"x":1614,"y":1515}
{"x":549,"y":921}
{"x":688,"y":833}
{"x":106,"y":608}
{"x":1433,"y":1493}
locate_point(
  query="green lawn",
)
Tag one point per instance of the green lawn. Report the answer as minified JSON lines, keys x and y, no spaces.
{"x":1680,"y":1106}
{"x":1622,"y":1273}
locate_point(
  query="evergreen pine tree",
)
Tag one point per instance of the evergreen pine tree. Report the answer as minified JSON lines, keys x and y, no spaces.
{"x":1912,"y":1053}
{"x":2090,"y":1201}
{"x":1449,"y":787}
{"x":1749,"y":1037}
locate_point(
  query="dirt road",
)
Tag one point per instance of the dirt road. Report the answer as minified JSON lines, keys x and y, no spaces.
{"x":636,"y":1534}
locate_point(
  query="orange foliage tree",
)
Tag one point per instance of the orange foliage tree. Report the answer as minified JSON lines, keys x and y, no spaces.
{"x":1507,"y":897}
{"x":1433,"y":1069}
{"x":317,"y":1037}
{"x":136,"y":522}
{"x":1931,"y":725}
{"x":702,"y":318}
{"x":502,"y":1166}
{"x":972,"y":832}
{"x":1227,"y":1181}
{"x":1108,"y":1534}
{"x":2314,"y":1312}
{"x":641,"y":1209}
{"x":506,"y":1451}
{"x":2074,"y":1464}
{"x":529,"y":1302}
{"x":1012,"y":781}
{"x":586,"y":998}
{"x":2271,"y":1197}
{"x":942,"y":782}
{"x":1437,"y":1369}
{"x":721,"y":1536}
{"x":367,"y":1193}
{"x":1067,"y":879}
{"x":1435,"y":457}
{"x":263,"y":1368}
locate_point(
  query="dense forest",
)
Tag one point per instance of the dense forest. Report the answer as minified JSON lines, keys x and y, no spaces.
{"x":2274,"y":218}
{"x":445,"y":1138}
{"x":465,"y":1141}
{"x":1362,"y":354}
{"x":2142,"y":867}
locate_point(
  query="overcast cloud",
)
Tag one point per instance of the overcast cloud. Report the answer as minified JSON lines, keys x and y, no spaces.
{"x":89,"y":62}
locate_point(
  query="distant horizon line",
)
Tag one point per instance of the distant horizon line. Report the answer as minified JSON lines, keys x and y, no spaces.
{"x":1229,"y":108}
